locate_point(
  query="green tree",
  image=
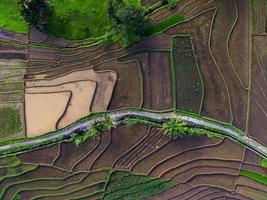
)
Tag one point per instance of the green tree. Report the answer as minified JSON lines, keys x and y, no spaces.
{"x":36,"y":13}
{"x":128,"y":20}
{"x":175,"y":128}
{"x":171,"y":3}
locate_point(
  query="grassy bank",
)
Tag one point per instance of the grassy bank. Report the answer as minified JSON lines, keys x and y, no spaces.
{"x":255,"y":176}
{"x":177,"y":17}
{"x":10,"y":18}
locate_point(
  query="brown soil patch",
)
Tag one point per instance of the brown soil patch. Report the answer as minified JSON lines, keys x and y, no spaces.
{"x":89,"y":160}
{"x":191,"y":6}
{"x":221,"y":151}
{"x":157,"y":158}
{"x":122,"y":139}
{"x":151,"y":142}
{"x":172,"y":193}
{"x":238,"y":95}
{"x":157,"y":41}
{"x":184,"y":191}
{"x":39,"y":184}
{"x":74,"y":153}
{"x":44,"y":155}
{"x":43,"y":110}
{"x":202,"y":170}
{"x":216,"y":104}
{"x":158,"y":82}
{"x":184,"y":171}
{"x":257,"y":123}
{"x":127,"y":90}
{"x":156,"y":69}
{"x":254,"y":167}
{"x":239,"y":41}
{"x":40,"y":172}
{"x":250,"y":193}
{"x":82,"y":93}
{"x":225,"y":181}
{"x":200,"y":7}
{"x":246,"y":186}
{"x":160,"y":15}
{"x":87,"y":179}
{"x":8,"y":36}
{"x":258,"y":107}
{"x":188,"y":79}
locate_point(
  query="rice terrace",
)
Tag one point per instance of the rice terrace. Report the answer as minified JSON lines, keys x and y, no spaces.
{"x":133,"y":99}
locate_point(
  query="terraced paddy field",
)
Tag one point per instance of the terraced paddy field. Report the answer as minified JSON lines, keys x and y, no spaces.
{"x":202,"y":58}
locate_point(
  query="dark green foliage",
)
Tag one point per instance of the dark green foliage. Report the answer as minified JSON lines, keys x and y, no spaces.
{"x":95,"y":132}
{"x":36,"y":13}
{"x":127,"y":20}
{"x":10,"y":122}
{"x":127,"y":186}
{"x":171,"y":3}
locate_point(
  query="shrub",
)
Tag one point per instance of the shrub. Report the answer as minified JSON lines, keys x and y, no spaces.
{"x":178,"y":128}
{"x":174,"y":128}
{"x":96,"y":131}
{"x":127,"y":20}
{"x":171,"y":3}
{"x":36,"y":13}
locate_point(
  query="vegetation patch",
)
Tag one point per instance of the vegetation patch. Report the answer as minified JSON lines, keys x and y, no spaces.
{"x":10,"y":121}
{"x":178,"y":128}
{"x":96,"y":131}
{"x":127,"y":19}
{"x":75,"y":20}
{"x":10,"y":18}
{"x":255,"y":176}
{"x":263,"y":162}
{"x":132,"y":122}
{"x":177,"y":17}
{"x":124,"y":185}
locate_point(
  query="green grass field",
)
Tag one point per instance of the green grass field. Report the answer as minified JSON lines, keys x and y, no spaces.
{"x":127,"y":186}
{"x":78,"y":19}
{"x":10,"y":18}
{"x":263,"y":162}
{"x":10,"y":122}
{"x":255,"y":176}
{"x":72,"y":19}
{"x":165,"y":24}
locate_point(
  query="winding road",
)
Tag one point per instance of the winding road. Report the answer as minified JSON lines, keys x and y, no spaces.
{"x":123,"y":115}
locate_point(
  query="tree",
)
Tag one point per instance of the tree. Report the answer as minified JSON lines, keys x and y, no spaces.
{"x":128,"y":20}
{"x":175,"y":128}
{"x":171,"y":3}
{"x":36,"y":13}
